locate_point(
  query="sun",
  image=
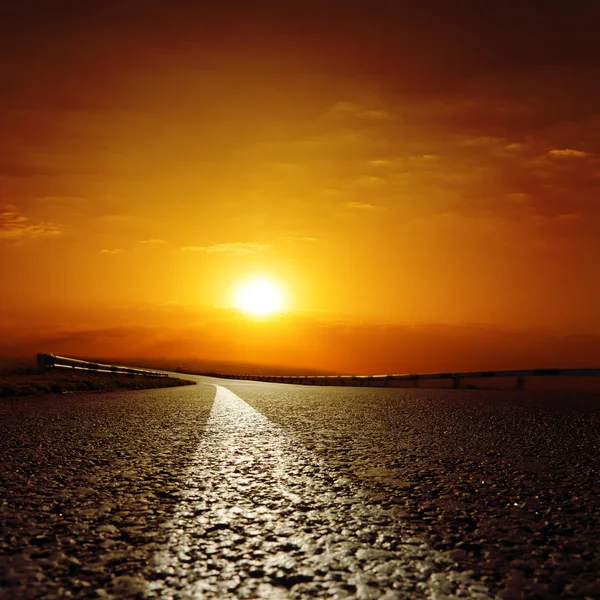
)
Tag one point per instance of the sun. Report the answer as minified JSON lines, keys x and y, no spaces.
{"x":259,"y":297}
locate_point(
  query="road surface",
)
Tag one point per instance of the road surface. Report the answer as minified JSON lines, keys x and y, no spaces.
{"x":232,"y":489}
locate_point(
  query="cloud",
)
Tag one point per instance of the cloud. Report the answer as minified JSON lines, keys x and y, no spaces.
{"x":152,"y":242}
{"x":111,"y":251}
{"x":230,"y":248}
{"x":299,"y":239}
{"x":354,"y":111}
{"x":426,"y":157}
{"x":15,"y":226}
{"x":568,"y":153}
{"x":516,"y":147}
{"x":361,"y":206}
{"x":368,"y":181}
{"x":375,"y":114}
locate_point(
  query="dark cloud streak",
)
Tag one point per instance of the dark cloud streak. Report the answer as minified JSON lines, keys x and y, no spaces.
{"x":407,"y":44}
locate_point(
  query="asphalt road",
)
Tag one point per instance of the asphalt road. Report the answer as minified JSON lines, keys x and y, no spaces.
{"x":257,"y":490}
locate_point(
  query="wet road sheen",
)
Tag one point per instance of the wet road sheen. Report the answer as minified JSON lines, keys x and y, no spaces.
{"x":257,"y":490}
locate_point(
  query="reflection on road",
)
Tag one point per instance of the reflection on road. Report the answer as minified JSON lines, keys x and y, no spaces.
{"x":263,"y":517}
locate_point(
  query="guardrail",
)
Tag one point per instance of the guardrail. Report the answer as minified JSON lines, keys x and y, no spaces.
{"x":51,"y":361}
{"x":390,"y":380}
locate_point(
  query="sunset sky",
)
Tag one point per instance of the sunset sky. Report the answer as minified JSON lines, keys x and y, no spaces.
{"x":421,"y":180}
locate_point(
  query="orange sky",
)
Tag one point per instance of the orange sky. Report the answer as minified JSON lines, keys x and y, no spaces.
{"x":422,"y":180}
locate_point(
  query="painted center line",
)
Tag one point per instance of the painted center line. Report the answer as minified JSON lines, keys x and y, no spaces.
{"x":262,"y":517}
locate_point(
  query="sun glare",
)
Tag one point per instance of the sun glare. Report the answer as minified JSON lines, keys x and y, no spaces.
{"x":259,"y":297}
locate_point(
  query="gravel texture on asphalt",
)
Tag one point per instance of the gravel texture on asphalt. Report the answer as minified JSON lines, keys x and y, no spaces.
{"x":324,"y":492}
{"x":508,"y":482}
{"x":264,"y":518}
{"x":86,"y":483}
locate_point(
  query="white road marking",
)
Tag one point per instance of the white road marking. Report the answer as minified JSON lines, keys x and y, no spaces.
{"x":262,"y":517}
